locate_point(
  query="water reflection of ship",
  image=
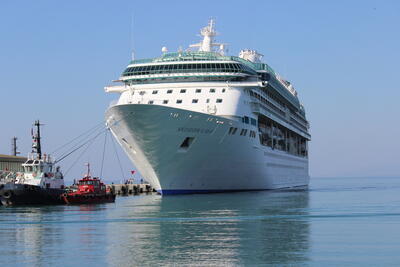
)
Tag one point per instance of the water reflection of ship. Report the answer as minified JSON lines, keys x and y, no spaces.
{"x":243,"y":228}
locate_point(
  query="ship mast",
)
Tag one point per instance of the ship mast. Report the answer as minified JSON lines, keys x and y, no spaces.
{"x":36,"y":145}
{"x":207,"y":44}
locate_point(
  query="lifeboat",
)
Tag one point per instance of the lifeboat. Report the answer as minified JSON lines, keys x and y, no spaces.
{"x":90,"y":190}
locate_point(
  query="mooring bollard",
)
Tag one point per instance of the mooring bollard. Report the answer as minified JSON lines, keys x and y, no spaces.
{"x":129,"y":189}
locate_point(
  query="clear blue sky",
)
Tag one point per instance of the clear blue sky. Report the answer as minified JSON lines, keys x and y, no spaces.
{"x":342,"y":56}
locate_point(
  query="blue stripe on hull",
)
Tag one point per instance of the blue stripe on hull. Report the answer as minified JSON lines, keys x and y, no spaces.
{"x":207,"y":191}
{"x":184,"y":191}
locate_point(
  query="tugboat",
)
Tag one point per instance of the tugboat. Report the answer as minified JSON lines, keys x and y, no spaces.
{"x":90,"y":191}
{"x":39,"y":184}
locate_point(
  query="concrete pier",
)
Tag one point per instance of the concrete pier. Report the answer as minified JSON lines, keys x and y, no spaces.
{"x":130,"y":189}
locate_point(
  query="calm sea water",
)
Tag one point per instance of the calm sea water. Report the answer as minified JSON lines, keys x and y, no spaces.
{"x":337,"y":222}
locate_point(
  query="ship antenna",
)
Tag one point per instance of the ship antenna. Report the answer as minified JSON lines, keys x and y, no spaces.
{"x":132,"y":40}
{"x":36,"y":146}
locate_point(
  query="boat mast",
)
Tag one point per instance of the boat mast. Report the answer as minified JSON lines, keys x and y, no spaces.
{"x":36,"y":146}
{"x":88,"y":170}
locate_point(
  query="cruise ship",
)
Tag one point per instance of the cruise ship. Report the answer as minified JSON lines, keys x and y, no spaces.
{"x":201,"y":121}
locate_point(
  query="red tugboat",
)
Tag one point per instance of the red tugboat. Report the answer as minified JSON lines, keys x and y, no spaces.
{"x":90,"y":191}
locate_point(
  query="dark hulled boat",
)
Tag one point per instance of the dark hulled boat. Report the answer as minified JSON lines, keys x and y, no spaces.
{"x":13,"y":194}
{"x":38,"y":184}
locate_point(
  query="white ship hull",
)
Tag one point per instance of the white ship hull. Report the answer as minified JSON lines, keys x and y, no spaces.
{"x":215,"y":161}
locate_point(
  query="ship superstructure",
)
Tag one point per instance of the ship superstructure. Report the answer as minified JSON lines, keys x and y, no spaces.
{"x":202,"y":121}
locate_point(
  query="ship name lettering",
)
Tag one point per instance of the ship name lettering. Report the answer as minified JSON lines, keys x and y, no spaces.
{"x":194,"y":130}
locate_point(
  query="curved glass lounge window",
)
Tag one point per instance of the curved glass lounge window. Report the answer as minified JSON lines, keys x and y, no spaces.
{"x":189,"y":68}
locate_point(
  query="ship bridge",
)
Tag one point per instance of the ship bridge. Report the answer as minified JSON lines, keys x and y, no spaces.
{"x":187,"y":66}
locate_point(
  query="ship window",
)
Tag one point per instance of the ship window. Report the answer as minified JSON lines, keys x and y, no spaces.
{"x":179,"y":101}
{"x":232,"y":130}
{"x":195,"y":100}
{"x":155,"y":92}
{"x":165,"y":102}
{"x":187,"y":142}
{"x":243,"y":132}
{"x":169,"y":92}
{"x":253,"y":121}
{"x":208,"y":100}
{"x":223,"y":90}
{"x":198,"y":90}
{"x":212,"y":90}
{"x":219,"y":100}
{"x":225,"y":68}
{"x":245,"y":119}
{"x":183,"y":91}
{"x":151,"y":102}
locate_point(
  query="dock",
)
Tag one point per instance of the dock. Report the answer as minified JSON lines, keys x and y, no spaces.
{"x":131,"y":189}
